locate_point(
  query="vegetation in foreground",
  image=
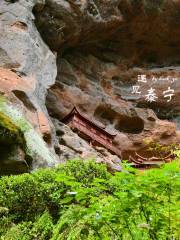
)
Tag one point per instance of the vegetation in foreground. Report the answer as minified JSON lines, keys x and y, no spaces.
{"x":81,"y":200}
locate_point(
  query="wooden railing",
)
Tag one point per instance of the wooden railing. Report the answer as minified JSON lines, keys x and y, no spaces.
{"x":140,"y":161}
{"x":97,"y":137}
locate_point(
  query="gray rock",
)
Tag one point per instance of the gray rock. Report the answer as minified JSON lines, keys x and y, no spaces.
{"x":23,"y":51}
{"x":72,"y":146}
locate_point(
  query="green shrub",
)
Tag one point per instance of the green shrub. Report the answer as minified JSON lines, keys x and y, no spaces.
{"x":81,"y":200}
{"x":84,"y":171}
{"x":42,"y":228}
{"x":22,"y":195}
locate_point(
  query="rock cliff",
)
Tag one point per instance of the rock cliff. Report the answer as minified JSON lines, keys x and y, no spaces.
{"x":57,"y":54}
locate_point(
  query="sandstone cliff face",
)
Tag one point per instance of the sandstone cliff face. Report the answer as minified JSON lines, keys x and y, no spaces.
{"x":28,"y":68}
{"x":89,"y":54}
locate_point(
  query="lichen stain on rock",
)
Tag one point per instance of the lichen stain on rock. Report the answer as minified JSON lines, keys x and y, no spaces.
{"x":23,"y":135}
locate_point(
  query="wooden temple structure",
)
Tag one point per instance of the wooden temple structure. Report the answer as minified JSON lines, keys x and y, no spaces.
{"x":90,"y":130}
{"x":144,"y":163}
{"x":96,"y":134}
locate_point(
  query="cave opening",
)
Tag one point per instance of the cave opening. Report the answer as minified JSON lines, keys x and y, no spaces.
{"x":132,"y":125}
{"x":105,"y":115}
{"x":126,"y":124}
{"x":163,"y":113}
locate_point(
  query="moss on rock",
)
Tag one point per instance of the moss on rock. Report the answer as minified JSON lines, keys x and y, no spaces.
{"x":16,"y":130}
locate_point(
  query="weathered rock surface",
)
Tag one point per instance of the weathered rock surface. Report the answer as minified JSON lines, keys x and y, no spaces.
{"x":22,"y":148}
{"x":70,"y":145}
{"x":101,"y":49}
{"x":98,"y":49}
{"x":28,"y":68}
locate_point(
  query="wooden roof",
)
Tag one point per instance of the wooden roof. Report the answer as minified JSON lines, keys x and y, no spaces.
{"x":91,"y":122}
{"x":140,"y":161}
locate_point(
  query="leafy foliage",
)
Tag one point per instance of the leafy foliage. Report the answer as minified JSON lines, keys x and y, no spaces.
{"x":81,"y":200}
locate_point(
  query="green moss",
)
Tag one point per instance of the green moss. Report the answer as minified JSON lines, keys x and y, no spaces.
{"x":14,"y":124}
{"x":2,"y":99}
{"x":9,"y":132}
{"x":6,"y":123}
